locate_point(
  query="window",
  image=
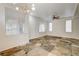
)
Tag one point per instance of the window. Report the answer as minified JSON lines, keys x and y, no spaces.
{"x":50,"y":27}
{"x":11,"y":27}
{"x":41,"y":28}
{"x":68,"y":25}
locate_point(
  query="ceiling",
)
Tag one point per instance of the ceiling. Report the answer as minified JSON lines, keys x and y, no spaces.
{"x":61,"y":9}
{"x":49,"y":9}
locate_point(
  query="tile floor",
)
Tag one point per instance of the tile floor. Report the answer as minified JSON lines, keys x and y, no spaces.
{"x":50,"y":46}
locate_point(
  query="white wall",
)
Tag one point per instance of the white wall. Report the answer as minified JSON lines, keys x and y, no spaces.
{"x":34,"y":23}
{"x":31,"y":25}
{"x":9,"y":41}
{"x":59,"y":28}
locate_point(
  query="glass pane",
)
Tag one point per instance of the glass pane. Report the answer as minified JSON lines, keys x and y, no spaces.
{"x":50,"y":27}
{"x":42,"y":28}
{"x":68,"y":25}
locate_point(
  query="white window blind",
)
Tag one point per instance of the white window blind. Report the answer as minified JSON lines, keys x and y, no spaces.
{"x":50,"y":27}
{"x":41,"y":28}
{"x":68,"y":25}
{"x":12,"y":27}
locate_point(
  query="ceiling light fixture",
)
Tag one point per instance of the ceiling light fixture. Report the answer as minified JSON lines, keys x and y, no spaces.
{"x":33,"y":8}
{"x":17,"y":8}
{"x":25,"y":9}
